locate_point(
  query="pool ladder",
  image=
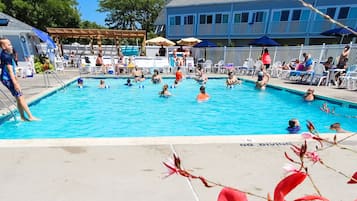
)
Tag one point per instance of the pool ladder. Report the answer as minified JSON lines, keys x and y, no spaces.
{"x":46,"y":78}
{"x":8,"y":104}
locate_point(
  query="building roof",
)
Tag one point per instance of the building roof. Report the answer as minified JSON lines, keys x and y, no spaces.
{"x":180,"y":3}
{"x":14,"y":24}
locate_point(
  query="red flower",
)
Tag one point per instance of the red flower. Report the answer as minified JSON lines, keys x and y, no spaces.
{"x":230,"y":194}
{"x":353,"y":180}
{"x":288,"y":184}
{"x":310,"y":126}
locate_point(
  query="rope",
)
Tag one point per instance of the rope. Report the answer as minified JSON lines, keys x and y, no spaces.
{"x":326,"y":16}
{"x":188,"y":180}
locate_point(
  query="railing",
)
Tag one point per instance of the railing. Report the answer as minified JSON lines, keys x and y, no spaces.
{"x":46,"y":78}
{"x":8,"y":105}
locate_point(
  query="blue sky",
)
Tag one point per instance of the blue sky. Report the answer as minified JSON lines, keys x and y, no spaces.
{"x":88,"y":8}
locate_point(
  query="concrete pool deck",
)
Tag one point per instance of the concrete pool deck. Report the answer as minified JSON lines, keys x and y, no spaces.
{"x":131,"y":168}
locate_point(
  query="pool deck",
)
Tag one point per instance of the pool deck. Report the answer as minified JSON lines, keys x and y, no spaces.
{"x":131,"y":168}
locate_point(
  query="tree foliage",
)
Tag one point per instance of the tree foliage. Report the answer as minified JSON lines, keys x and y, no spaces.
{"x":131,"y":14}
{"x":43,"y":13}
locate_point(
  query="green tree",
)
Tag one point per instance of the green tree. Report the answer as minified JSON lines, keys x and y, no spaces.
{"x":44,"y":13}
{"x":90,"y":25}
{"x":131,"y":14}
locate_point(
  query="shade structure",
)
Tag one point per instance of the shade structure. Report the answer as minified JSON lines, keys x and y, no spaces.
{"x":160,"y":41}
{"x":342,"y":32}
{"x":191,"y":41}
{"x":264,"y":41}
{"x":205,"y":43}
{"x":44,"y":37}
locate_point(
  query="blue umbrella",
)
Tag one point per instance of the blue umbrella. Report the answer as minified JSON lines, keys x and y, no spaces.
{"x":339,"y":32}
{"x":264,"y":41}
{"x":205,"y":43}
{"x":45,"y":37}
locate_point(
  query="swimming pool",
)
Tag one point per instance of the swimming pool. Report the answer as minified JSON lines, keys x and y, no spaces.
{"x":122,"y":111}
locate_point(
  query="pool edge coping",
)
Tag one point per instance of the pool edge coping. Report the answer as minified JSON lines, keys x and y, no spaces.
{"x":242,"y":140}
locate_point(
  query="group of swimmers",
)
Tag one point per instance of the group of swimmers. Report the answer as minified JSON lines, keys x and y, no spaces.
{"x":294,"y":127}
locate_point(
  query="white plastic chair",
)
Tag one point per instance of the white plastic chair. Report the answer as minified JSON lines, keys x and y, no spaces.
{"x":219,"y":67}
{"x":347,"y":80}
{"x":320,"y":74}
{"x":207,"y":65}
{"x":274,"y":70}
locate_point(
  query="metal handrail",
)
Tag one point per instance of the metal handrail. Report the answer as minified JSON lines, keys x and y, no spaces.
{"x":8,"y":105}
{"x":55,"y":76}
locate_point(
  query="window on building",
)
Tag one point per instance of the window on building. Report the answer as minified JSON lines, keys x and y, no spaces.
{"x":331,"y":12}
{"x":218,"y":18}
{"x":343,"y":12}
{"x":305,"y":15}
{"x":188,"y":19}
{"x":221,"y":18}
{"x":353,"y":13}
{"x":202,"y":19}
{"x":296,"y":15}
{"x":225,"y":19}
{"x":206,"y":19}
{"x":276,"y":16}
{"x":178,"y":20}
{"x":241,"y":17}
{"x":284,"y":15}
{"x":209,"y":19}
{"x":175,"y":20}
{"x":259,"y":17}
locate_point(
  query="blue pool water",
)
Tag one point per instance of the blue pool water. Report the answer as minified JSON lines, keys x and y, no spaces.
{"x":122,"y":111}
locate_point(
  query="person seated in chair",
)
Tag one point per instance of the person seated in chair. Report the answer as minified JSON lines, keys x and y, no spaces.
{"x":328,"y":64}
{"x":308,"y":62}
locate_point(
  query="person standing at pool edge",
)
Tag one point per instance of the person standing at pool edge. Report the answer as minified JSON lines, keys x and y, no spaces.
{"x":9,"y":80}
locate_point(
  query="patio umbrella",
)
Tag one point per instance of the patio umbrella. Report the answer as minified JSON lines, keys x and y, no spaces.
{"x":160,"y":41}
{"x":264,"y":41}
{"x":205,"y":44}
{"x":44,"y":37}
{"x":191,"y":41}
{"x":339,"y":32}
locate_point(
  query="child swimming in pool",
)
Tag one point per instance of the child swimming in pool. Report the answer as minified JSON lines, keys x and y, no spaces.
{"x":102,"y":85}
{"x":165,"y":91}
{"x":294,"y":126}
{"x":80,"y":83}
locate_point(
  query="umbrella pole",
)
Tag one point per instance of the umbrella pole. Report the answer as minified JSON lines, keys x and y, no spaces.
{"x":205,"y":54}
{"x":250,"y":52}
{"x":343,"y":35}
{"x":276,"y":49}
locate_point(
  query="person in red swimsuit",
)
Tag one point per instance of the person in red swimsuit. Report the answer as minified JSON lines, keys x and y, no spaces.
{"x":179,"y":75}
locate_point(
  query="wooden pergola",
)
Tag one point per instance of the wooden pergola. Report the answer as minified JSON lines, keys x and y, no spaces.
{"x":99,"y":34}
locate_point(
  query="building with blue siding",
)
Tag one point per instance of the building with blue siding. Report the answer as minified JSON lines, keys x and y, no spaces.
{"x":236,"y":22}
